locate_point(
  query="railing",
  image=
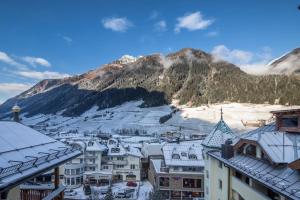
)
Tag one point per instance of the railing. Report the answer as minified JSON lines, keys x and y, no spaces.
{"x":34,"y":162}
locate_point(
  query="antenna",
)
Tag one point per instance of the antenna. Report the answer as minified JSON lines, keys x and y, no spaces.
{"x":221,"y":113}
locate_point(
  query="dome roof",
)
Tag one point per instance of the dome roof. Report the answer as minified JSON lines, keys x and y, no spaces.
{"x":16,"y":108}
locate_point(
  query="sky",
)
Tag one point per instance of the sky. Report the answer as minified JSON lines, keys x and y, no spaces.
{"x":42,"y":39}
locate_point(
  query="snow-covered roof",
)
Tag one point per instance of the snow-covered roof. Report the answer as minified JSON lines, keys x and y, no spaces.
{"x":218,"y":135}
{"x":281,"y":147}
{"x":25,"y":152}
{"x":152,"y":149}
{"x":281,"y":179}
{"x":183,"y":154}
{"x":157,"y":165}
{"x":119,"y":149}
{"x":95,"y":146}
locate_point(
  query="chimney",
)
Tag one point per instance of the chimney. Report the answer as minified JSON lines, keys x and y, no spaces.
{"x":227,"y":149}
{"x":16,"y":111}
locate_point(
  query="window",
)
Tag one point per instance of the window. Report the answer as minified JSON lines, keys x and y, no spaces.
{"x":191,"y":183}
{"x":220,"y":164}
{"x":81,"y":160}
{"x":120,"y":158}
{"x":72,"y":181}
{"x":67,"y":172}
{"x":192,"y":157}
{"x":207,"y":174}
{"x":175,"y":156}
{"x":115,"y":150}
{"x":183,"y":154}
{"x":132,"y":166}
{"x":176,"y":168}
{"x":120,"y":166}
{"x":73,"y":171}
{"x":250,"y":150}
{"x":289,"y":121}
{"x":104,"y":167}
{"x":78,"y":180}
{"x":220,"y":184}
{"x":164,"y":181}
{"x":61,"y":176}
{"x":77,"y":171}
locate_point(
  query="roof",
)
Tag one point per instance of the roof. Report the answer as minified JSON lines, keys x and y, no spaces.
{"x":119,"y":149}
{"x":25,"y":152}
{"x":281,"y":147}
{"x":183,"y":149}
{"x":281,"y":179}
{"x":157,"y":165}
{"x":152,"y":149}
{"x":218,"y":135}
{"x":285,"y":111}
{"x":95,"y":146}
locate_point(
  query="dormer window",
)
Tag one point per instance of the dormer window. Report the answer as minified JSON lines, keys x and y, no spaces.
{"x":115,"y":150}
{"x":175,"y":156}
{"x":288,"y":120}
{"x":90,"y":143}
{"x":192,"y":157}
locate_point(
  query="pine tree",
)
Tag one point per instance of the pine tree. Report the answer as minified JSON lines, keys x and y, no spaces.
{"x":109,"y":194}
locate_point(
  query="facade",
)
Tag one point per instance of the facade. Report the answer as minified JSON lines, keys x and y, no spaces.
{"x":261,"y":164}
{"x":214,"y":141}
{"x":179,"y":174}
{"x":123,"y":161}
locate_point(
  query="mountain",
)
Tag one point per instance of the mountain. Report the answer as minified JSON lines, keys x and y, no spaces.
{"x":191,"y":76}
{"x":287,"y":64}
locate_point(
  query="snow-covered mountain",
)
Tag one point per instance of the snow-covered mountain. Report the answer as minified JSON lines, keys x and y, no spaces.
{"x":287,"y":64}
{"x":190,"y":76}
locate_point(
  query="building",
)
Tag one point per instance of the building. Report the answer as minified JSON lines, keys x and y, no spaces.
{"x":123,"y":161}
{"x":150,"y":150}
{"x":214,"y":141}
{"x":179,"y":174}
{"x":24,"y":155}
{"x":262,"y":164}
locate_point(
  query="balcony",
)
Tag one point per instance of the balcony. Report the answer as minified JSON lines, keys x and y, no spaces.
{"x":120,"y":162}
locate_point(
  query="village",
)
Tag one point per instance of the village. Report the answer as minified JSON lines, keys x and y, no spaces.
{"x":263,"y":162}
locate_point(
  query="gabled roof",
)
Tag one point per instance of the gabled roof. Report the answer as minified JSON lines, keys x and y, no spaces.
{"x":281,"y":147}
{"x":183,"y":150}
{"x":218,"y":135}
{"x":25,"y":152}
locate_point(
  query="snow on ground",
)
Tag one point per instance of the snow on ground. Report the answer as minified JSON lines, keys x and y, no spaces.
{"x":188,"y":120}
{"x":145,"y":189}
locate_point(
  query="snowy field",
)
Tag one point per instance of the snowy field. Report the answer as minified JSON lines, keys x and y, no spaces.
{"x":129,"y":116}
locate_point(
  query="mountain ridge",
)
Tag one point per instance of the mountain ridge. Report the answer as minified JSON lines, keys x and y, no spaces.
{"x":191,"y":76}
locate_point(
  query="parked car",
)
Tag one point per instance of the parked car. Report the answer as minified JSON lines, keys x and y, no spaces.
{"x":131,"y":184}
{"x":70,"y":192}
{"x":122,"y":194}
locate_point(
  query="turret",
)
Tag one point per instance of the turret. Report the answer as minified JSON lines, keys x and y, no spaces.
{"x":16,"y":111}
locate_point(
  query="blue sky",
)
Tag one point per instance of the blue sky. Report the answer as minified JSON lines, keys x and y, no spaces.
{"x":56,"y":38}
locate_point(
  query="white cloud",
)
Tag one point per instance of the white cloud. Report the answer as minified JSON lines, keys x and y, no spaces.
{"x":67,"y":39}
{"x":254,"y":63}
{"x":34,"y":61}
{"x":14,"y":87}
{"x":7,"y":59}
{"x":42,"y":75}
{"x":117,"y":24}
{"x":160,"y":26}
{"x":8,"y":90}
{"x":236,"y":56}
{"x":192,"y":22}
{"x":213,"y":34}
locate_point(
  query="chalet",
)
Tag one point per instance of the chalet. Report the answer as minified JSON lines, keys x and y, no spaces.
{"x":261,"y":164}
